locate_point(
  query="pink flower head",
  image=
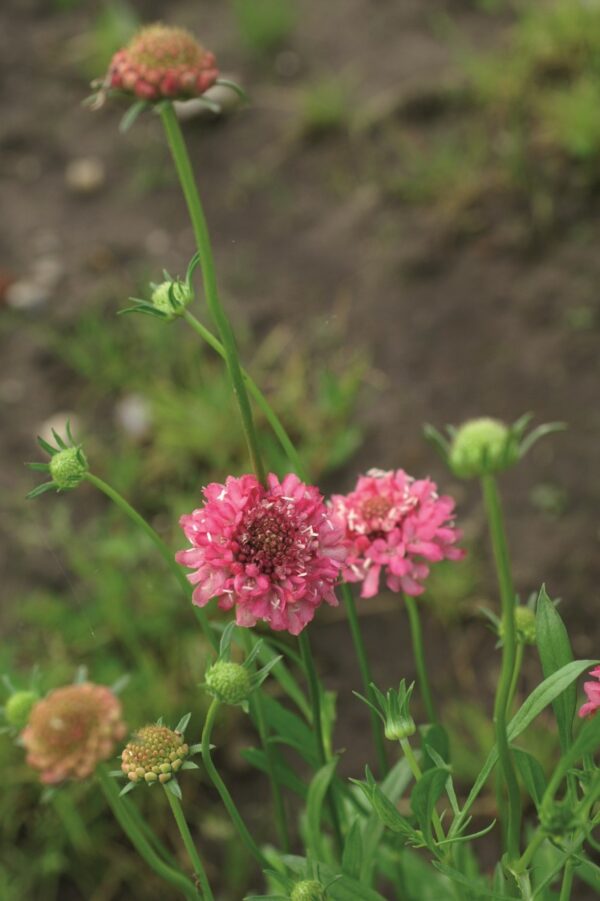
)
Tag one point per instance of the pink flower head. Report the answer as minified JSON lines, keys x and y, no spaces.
{"x":273,"y":553}
{"x":72,"y":730}
{"x":395,"y":524}
{"x":162,"y":62}
{"x":592,"y":690}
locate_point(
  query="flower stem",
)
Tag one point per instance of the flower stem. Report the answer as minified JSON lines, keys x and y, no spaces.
{"x":140,"y":843}
{"x":516,"y":674}
{"x":188,"y":185}
{"x":190,"y":847}
{"x":258,"y":715}
{"x":365,"y":672}
{"x":417,"y":773}
{"x":315,"y":700}
{"x":567,"y":883}
{"x":261,"y":401}
{"x":507,"y":595}
{"x":222,"y":788}
{"x":419,"y":655}
{"x":161,"y":547}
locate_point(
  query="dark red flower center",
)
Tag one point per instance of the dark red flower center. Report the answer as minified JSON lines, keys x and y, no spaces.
{"x":376,"y":507}
{"x":271,"y":538}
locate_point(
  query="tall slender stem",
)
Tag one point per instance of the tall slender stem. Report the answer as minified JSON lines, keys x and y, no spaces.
{"x":365,"y":672}
{"x":507,"y":596}
{"x":567,"y":883}
{"x":315,"y":700}
{"x":419,"y":656}
{"x":138,"y":840}
{"x":516,"y":673}
{"x":223,"y":790}
{"x":160,"y":545}
{"x":190,"y":847}
{"x":192,"y":198}
{"x":258,"y":715}
{"x":261,"y":401}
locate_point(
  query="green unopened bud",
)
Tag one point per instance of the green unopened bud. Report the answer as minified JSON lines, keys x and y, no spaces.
{"x":399,"y":727}
{"x":482,"y":446}
{"x":230,"y":683}
{"x":171,"y":298}
{"x":68,"y":467}
{"x":18,"y":707}
{"x":308,"y":890}
{"x":524,"y":625}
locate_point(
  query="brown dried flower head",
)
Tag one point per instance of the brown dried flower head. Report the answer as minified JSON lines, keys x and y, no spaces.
{"x":161,"y":62}
{"x":154,"y":754}
{"x":72,"y":730}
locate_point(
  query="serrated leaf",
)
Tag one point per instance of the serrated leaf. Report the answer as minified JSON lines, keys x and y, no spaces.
{"x":352,"y":854}
{"x":555,"y":651}
{"x":424,"y":797}
{"x":317,"y":791}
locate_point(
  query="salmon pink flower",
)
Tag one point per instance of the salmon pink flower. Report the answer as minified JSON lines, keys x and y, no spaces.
{"x":592,"y":690}
{"x":72,"y":730}
{"x":274,"y":553}
{"x":396,"y":526}
{"x":161,"y":63}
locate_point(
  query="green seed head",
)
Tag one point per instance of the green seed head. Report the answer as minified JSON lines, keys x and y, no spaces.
{"x":482,"y":446}
{"x":18,"y":707}
{"x":524,"y":624}
{"x":154,"y":754}
{"x":68,"y":467}
{"x":308,"y":890}
{"x":229,"y":682}
{"x":171,"y":298}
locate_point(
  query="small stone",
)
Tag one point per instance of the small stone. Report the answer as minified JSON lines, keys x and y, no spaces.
{"x":134,"y":416}
{"x":85,"y":175}
{"x":47,"y":272}
{"x":26,"y":295}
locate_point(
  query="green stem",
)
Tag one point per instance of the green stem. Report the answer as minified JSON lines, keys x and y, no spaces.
{"x":516,"y":674}
{"x":315,"y":700}
{"x":190,"y":847}
{"x":419,"y":656}
{"x":222,"y":788}
{"x":418,"y":774}
{"x":161,"y":547}
{"x":258,"y":715}
{"x":507,"y":595}
{"x":567,"y":883}
{"x":142,"y":846}
{"x":190,"y":191}
{"x":365,"y":672}
{"x":261,"y":401}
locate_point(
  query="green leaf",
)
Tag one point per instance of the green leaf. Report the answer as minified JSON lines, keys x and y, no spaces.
{"x":291,"y":729}
{"x":586,"y":742}
{"x":342,"y":889}
{"x":172,"y":786}
{"x":533,"y":705}
{"x":127,"y":788}
{"x":555,"y":651}
{"x":477,"y":888}
{"x":421,"y":882}
{"x":353,"y":850}
{"x":284,"y":774}
{"x":286,"y":680}
{"x":46,"y":447}
{"x":317,"y":791}
{"x":183,"y":723}
{"x":131,"y":115}
{"x":41,"y":489}
{"x":392,"y":788}
{"x":425,"y":795}
{"x":435,"y":738}
{"x":225,"y":643}
{"x":385,"y":809}
{"x":531,"y":773}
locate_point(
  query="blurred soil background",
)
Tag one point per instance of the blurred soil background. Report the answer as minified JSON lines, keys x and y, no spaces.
{"x":405,"y":220}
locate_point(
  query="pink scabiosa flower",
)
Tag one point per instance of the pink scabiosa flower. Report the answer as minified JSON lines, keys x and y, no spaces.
{"x":592,"y":690}
{"x":71,"y":730}
{"x":160,"y":63}
{"x":274,"y":553}
{"x":396,"y":526}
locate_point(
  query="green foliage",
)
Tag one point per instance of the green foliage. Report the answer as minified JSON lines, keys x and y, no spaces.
{"x":325,"y":106}
{"x":264,"y":25}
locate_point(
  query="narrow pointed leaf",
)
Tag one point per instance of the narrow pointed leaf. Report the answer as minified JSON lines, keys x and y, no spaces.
{"x":555,"y":651}
{"x":183,"y":723}
{"x":314,"y":805}
{"x":172,"y":786}
{"x":352,"y":855}
{"x":46,"y":447}
{"x":532,"y":774}
{"x":425,"y":795}
{"x":127,"y":788}
{"x":131,"y":115}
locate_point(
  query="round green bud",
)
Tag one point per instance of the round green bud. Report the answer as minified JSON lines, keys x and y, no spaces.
{"x":308,"y":890}
{"x":68,"y":467}
{"x":18,"y":707}
{"x":171,"y":298}
{"x":230,"y":683}
{"x":482,"y":446}
{"x":397,"y":728}
{"x":524,"y":625}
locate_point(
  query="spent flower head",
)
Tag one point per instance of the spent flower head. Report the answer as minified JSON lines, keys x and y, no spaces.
{"x":487,"y":446}
{"x":392,"y":708}
{"x":271,"y":552}
{"x":233,"y":683}
{"x":67,"y":466}
{"x":395,"y":526}
{"x":72,"y":730}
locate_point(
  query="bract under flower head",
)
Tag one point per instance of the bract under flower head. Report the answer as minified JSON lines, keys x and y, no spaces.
{"x":154,"y":754}
{"x":396,"y":526}
{"x":273,"y":553}
{"x":592,"y":690}
{"x":72,"y":730}
{"x":160,"y":63}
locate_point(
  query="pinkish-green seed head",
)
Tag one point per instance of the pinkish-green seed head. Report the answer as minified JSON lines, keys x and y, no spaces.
{"x":154,"y":754}
{"x":229,"y":682}
{"x":18,"y":707}
{"x":68,"y":467}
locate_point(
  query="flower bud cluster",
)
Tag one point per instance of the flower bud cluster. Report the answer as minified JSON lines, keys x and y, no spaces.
{"x":154,"y":754}
{"x":308,"y":890}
